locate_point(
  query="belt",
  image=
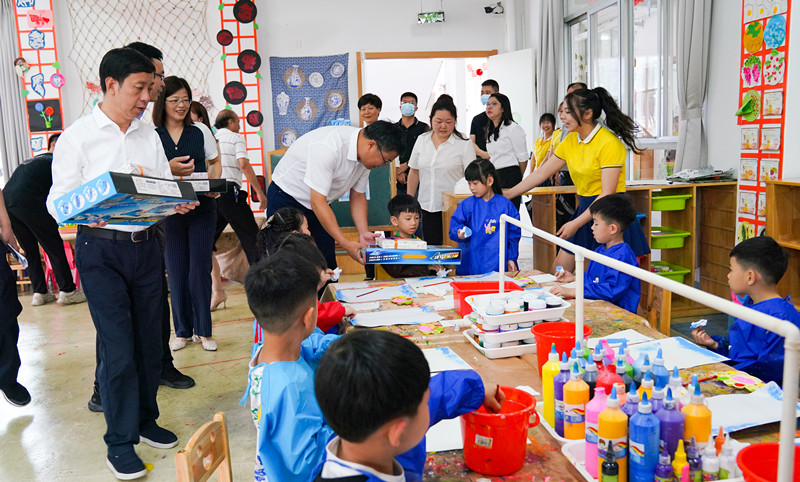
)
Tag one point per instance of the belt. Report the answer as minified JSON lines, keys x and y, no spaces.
{"x":114,"y":235}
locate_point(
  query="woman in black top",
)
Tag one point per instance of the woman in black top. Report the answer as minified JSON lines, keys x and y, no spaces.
{"x":189,"y":238}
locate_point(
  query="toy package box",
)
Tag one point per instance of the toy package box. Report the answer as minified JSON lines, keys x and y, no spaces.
{"x":432,"y":255}
{"x":401,"y":243}
{"x":202,"y":184}
{"x":123,"y":199}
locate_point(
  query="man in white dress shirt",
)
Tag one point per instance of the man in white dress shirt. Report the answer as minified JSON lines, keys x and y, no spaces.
{"x":120,"y":266}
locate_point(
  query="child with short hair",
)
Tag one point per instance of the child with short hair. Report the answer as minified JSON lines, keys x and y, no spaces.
{"x":292,"y":433}
{"x":476,"y":222}
{"x":612,"y":215}
{"x":381,"y":436}
{"x":757,"y":265}
{"x":404,"y":213}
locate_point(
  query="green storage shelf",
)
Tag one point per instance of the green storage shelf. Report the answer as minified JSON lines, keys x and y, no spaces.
{"x":675,"y":272}
{"x":675,"y":202}
{"x":667,"y":238}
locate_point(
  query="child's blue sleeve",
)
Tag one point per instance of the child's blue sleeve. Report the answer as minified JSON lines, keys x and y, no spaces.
{"x":723,"y":343}
{"x":458,"y":220}
{"x":315,"y":345}
{"x":612,"y":286}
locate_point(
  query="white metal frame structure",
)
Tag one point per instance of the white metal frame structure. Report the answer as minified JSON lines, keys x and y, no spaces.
{"x":786,"y":329}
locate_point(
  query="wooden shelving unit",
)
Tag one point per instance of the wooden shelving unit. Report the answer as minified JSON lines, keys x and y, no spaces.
{"x":783,"y":224}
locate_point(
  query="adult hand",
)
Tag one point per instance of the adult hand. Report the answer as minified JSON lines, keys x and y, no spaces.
{"x":262,"y":204}
{"x":98,"y":224}
{"x":180,"y":167}
{"x":7,"y":236}
{"x":212,"y":195}
{"x":402,"y":178}
{"x":366,"y":238}
{"x":185,"y":208}
{"x":702,"y":338}
{"x":354,"y":250}
{"x":568,"y":230}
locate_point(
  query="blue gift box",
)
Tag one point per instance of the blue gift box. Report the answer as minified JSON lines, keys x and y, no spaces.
{"x":432,"y":255}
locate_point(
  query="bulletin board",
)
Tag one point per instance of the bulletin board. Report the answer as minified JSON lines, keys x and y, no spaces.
{"x":761,"y":111}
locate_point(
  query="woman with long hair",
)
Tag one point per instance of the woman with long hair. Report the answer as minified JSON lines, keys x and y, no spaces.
{"x":505,"y":143}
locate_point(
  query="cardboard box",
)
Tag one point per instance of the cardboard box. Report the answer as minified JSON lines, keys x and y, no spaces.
{"x":402,"y":243}
{"x":202,"y":184}
{"x":123,"y":199}
{"x":432,"y":255}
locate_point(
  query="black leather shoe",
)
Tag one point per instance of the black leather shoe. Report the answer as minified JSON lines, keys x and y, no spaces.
{"x":95,"y":403}
{"x":16,"y":395}
{"x":172,"y":378}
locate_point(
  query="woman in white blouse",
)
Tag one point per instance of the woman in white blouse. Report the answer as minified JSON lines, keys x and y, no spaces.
{"x":436,"y":164}
{"x":505,"y":143}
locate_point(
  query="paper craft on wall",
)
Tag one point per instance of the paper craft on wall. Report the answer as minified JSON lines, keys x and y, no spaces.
{"x":774,"y":67}
{"x":751,"y":71}
{"x":748,"y":169}
{"x":751,"y":106}
{"x":747,"y":202}
{"x":773,"y":103}
{"x":744,"y":230}
{"x":769,"y":170}
{"x":775,"y":31}
{"x":750,"y":138}
{"x":44,"y":115}
{"x":753,"y":37}
{"x":762,"y":204}
{"x":770,"y":139}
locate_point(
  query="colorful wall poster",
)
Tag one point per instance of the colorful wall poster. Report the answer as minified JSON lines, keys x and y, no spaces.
{"x":771,"y":139}
{"x":769,"y":170}
{"x":749,"y":138}
{"x":747,"y":202}
{"x":748,"y":169}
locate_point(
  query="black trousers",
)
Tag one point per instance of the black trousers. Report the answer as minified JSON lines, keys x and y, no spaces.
{"x":232,"y":208}
{"x":33,"y":227}
{"x":9,"y":328}
{"x":510,"y":177}
{"x":122,"y":283}
{"x":432,"y":227}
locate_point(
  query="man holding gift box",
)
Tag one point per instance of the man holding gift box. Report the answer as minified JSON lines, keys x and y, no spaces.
{"x":120,"y":265}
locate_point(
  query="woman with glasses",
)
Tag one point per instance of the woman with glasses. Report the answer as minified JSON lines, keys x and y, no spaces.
{"x":505,"y":143}
{"x":436,"y":164}
{"x":189,"y":238}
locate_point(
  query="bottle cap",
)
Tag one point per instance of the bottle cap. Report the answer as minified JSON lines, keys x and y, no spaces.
{"x":663,"y":457}
{"x":709,"y":451}
{"x":659,"y":358}
{"x":620,"y":367}
{"x":590,"y":367}
{"x":564,"y":362}
{"x":680,"y":454}
{"x":598,"y":354}
{"x":553,"y":355}
{"x":675,"y":375}
{"x":644,"y":405}
{"x":612,"y":400}
{"x":648,"y":379}
{"x":697,"y":396}
{"x":632,"y":391}
{"x":573,"y":354}
{"x":646,"y":365}
{"x":694,"y":380}
{"x":576,"y":374}
{"x":692,"y":452}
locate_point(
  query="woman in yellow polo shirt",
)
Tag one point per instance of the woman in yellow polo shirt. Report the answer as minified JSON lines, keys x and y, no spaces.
{"x":546,"y":144}
{"x":595,"y":156}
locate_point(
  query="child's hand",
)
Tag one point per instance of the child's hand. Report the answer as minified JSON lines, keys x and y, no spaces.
{"x":462,"y":234}
{"x":512,"y":266}
{"x":702,"y":338}
{"x":349,"y":312}
{"x":564,"y":277}
{"x":494,"y":398}
{"x":561,"y":291}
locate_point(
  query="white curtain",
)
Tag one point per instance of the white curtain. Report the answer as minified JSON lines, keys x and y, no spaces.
{"x":694,"y":36}
{"x":548,"y":59}
{"x":13,"y":129}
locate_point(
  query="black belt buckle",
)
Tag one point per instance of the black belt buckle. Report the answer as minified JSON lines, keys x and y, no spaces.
{"x":139,"y":236}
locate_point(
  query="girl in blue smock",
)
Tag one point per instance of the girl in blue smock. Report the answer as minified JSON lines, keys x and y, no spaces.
{"x":476,"y":223}
{"x":595,"y":156}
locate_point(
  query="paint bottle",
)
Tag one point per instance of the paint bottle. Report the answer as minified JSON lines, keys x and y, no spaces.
{"x":612,"y":430}
{"x":573,"y":359}
{"x":627,"y":358}
{"x":659,"y":392}
{"x":645,"y":368}
{"x":576,"y":396}
{"x":593,"y":409}
{"x":710,"y":461}
{"x":590,"y":377}
{"x":676,"y":384}
{"x":626,"y":380}
{"x":644,"y":431}
{"x":637,"y":366}
{"x":664,"y":470}
{"x":698,"y":419}
{"x":609,"y":468}
{"x":607,"y":377}
{"x":631,"y":405}
{"x":672,"y":424}
{"x":621,"y":395}
{"x":646,"y":385}
{"x":727,"y":461}
{"x":680,"y":467}
{"x":660,"y":372}
{"x":549,"y":370}
{"x":719,"y":440}
{"x":597,"y":357}
{"x":558,"y":393}
{"x":695,"y":465}
{"x":608,"y":353}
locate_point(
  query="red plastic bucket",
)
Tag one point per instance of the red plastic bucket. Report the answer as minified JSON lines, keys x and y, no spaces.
{"x":462,"y":289}
{"x":562,"y":333}
{"x":495,"y":443}
{"x":759,"y":462}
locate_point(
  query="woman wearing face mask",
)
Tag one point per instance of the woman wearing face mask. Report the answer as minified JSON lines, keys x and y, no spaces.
{"x":505,"y":143}
{"x":437,"y":162}
{"x":596,"y":160}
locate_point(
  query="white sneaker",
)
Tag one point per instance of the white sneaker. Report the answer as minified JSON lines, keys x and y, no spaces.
{"x":71,"y":298}
{"x":40,"y":299}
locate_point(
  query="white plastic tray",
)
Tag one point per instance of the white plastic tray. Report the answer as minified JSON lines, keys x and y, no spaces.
{"x":493,"y":337}
{"x":504,"y":352}
{"x":522,"y":316}
{"x":575,"y":452}
{"x":552,"y":431}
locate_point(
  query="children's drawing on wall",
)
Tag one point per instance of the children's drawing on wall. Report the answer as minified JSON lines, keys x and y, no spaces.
{"x":762,"y":204}
{"x":37,"y":84}
{"x":769,"y":170}
{"x":37,"y":144}
{"x":44,"y":115}
{"x":775,"y":31}
{"x":750,"y":138}
{"x":747,"y":170}
{"x":26,"y":3}
{"x":771,"y":139}
{"x":36,"y":39}
{"x":773,"y":103}
{"x":747,"y":202}
{"x":751,"y":72}
{"x":757,"y":9}
{"x":774,"y":67}
{"x":744,"y":230}
{"x":751,"y":106}
{"x":753,"y":37}
{"x":40,"y":19}
{"x":57,"y":80}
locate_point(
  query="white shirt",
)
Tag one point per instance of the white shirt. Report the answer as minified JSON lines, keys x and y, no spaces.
{"x":439,"y":169}
{"x":232,"y":147}
{"x":335,"y":467}
{"x":209,"y":141}
{"x":510,"y":149}
{"x":94,"y":145}
{"x":325,"y":160}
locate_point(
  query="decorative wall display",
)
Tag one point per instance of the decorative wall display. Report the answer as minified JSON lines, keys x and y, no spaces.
{"x":761,"y":113}
{"x":44,"y":115}
{"x":309,"y":93}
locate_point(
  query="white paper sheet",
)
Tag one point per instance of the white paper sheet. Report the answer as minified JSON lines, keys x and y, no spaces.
{"x":443,"y":358}
{"x":446,"y":304}
{"x":493,"y":276}
{"x":631,"y":336}
{"x":678,"y":352}
{"x":351,"y":285}
{"x":430,"y":285}
{"x":542,"y":278}
{"x":739,"y":411}
{"x":374,"y":293}
{"x":402,"y":316}
{"x":445,"y":435}
{"x":369,"y":306}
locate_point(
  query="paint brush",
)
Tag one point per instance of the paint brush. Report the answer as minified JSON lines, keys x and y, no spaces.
{"x":434,"y":284}
{"x":367,"y":293}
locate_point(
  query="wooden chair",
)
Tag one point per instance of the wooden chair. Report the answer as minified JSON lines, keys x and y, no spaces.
{"x":206,"y":451}
{"x":659,"y":309}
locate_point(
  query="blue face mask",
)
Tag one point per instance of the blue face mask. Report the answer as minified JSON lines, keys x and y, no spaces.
{"x":485,"y":99}
{"x":407,"y":109}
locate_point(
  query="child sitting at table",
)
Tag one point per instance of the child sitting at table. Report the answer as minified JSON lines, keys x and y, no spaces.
{"x":292,"y":433}
{"x":757,"y":264}
{"x":612,"y":215}
{"x":284,"y":221}
{"x":404,"y":211}
{"x":404,"y":401}
{"x":475,"y":224}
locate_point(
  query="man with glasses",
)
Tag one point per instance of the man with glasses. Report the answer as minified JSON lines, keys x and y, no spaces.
{"x":325,"y":164}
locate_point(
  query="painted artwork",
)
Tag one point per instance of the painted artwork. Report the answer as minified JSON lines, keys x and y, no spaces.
{"x":748,"y":169}
{"x":771,"y":139}
{"x":37,"y":84}
{"x":758,"y":9}
{"x":749,"y":138}
{"x":753,"y":37}
{"x":774,"y":67}
{"x":751,"y":106}
{"x":762,"y":204}
{"x":751,"y":72}
{"x":773,"y":103}
{"x":36,"y":39}
{"x":747,"y":202}
{"x":40,"y":19}
{"x":44,"y":115}
{"x":744,"y":230}
{"x":769,"y":170}
{"x":775,"y":31}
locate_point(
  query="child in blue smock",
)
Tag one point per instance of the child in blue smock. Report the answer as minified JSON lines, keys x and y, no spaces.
{"x":381,"y":437}
{"x":476,"y":223}
{"x":757,"y":265}
{"x":611,"y":216}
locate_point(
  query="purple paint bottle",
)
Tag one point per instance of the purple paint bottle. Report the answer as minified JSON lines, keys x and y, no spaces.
{"x":558,"y":392}
{"x":664,"y":471}
{"x":631,"y":405}
{"x":659,"y":392}
{"x":695,"y":464}
{"x":672,"y":424}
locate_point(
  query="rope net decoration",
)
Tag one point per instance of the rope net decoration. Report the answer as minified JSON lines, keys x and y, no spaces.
{"x":176,"y":27}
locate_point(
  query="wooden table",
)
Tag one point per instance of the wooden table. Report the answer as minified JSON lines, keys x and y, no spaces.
{"x":544,"y":457}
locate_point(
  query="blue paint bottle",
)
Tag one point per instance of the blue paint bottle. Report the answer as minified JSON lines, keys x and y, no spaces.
{"x":645,"y":368}
{"x":643,"y":432}
{"x":558,"y":393}
{"x":660,"y":372}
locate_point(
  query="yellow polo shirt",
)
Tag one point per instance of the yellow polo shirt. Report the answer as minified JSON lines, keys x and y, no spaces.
{"x":587,"y":158}
{"x":541,"y":146}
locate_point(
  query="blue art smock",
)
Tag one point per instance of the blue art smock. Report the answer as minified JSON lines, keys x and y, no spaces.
{"x":603,"y":283}
{"x":480,"y":253}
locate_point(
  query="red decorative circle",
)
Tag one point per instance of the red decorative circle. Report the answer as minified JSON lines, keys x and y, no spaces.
{"x":479,"y":71}
{"x":255,"y":118}
{"x":224,"y":37}
{"x":245,"y":11}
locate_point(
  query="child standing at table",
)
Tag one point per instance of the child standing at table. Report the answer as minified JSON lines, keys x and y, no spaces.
{"x":611,"y":216}
{"x":404,"y":213}
{"x":757,"y":265}
{"x":403,"y":402}
{"x":475,"y":224}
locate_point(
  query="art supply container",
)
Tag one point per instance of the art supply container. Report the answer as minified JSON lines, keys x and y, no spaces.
{"x":612,"y":429}
{"x":697,"y":420}
{"x":562,"y":333}
{"x":576,"y":396}
{"x":558,"y":393}
{"x":759,"y":462}
{"x":549,"y":371}
{"x":462,"y":289}
{"x":643,"y":433}
{"x":672,"y":424}
{"x":593,"y":409}
{"x":495,"y":443}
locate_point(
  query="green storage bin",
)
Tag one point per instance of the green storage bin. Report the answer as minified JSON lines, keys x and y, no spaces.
{"x":667,"y":238}
{"x":676,"y":202}
{"x":675,"y":273}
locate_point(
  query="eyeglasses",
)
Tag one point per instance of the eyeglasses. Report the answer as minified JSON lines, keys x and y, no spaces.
{"x":179,"y":101}
{"x":160,"y":76}
{"x":385,"y":162}
{"x":492,"y":104}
